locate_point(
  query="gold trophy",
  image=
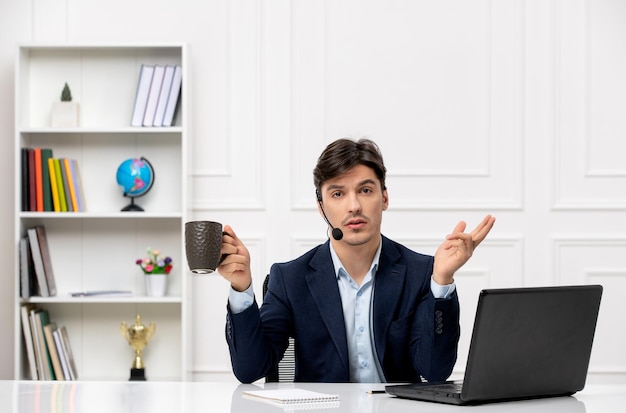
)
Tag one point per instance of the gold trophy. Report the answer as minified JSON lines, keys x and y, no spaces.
{"x":138,"y":336}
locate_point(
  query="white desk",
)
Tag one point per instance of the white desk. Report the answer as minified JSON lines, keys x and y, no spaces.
{"x":205,"y":397}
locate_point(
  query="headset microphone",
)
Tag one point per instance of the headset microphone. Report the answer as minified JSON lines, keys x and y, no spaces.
{"x":337,"y":233}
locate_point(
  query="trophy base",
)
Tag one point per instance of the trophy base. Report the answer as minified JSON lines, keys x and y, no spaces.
{"x":137,"y":374}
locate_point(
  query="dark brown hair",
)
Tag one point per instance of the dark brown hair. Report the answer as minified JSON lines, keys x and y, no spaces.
{"x":344,"y":154}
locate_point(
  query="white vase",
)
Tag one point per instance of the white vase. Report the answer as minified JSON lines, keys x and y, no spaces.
{"x":156,"y":285}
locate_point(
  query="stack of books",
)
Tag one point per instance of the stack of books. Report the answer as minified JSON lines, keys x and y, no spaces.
{"x":50,"y":184}
{"x":48,"y":347}
{"x":158,"y":95}
{"x":36,"y":273}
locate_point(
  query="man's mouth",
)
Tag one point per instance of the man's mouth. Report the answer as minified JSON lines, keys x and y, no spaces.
{"x":355,"y":223}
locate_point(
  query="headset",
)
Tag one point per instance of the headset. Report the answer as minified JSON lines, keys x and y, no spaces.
{"x":337,"y":233}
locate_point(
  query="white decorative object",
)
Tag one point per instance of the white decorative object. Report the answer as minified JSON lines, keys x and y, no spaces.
{"x":156,"y":285}
{"x":65,"y":114}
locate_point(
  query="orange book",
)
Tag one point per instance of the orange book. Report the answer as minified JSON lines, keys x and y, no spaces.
{"x":70,"y":184}
{"x":53,"y":186}
{"x":38,"y":180}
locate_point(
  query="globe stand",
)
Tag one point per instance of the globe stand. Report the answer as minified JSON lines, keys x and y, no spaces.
{"x":132,"y":207}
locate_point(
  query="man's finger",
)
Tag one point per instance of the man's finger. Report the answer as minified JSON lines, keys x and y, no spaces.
{"x":483,"y":229}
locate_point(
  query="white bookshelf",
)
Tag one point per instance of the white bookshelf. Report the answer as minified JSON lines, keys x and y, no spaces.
{"x":97,"y":249}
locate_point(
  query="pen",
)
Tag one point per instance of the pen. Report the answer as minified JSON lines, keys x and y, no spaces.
{"x":375,"y":391}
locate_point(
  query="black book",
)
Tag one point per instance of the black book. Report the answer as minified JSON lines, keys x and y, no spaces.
{"x":25,"y":181}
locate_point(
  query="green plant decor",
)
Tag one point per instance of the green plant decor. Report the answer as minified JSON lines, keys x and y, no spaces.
{"x":66,"y":94}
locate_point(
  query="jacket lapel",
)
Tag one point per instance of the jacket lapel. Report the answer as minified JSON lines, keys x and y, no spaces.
{"x":322,"y":284}
{"x":389,"y":282}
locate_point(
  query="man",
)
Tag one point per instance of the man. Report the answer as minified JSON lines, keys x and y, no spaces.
{"x":361,"y":307}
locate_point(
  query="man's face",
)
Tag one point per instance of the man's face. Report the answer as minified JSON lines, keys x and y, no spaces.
{"x":355,"y":203}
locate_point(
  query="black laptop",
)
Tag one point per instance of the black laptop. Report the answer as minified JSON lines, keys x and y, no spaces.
{"x":527,"y":343}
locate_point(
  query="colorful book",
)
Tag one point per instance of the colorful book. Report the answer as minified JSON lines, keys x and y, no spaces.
{"x":78,"y":185}
{"x":66,"y":186}
{"x":53,"y":351}
{"x":42,"y":319}
{"x":56,"y":203}
{"x":32,"y":186}
{"x":70,"y":183}
{"x":38,"y":181}
{"x":61,"y":190}
{"x":46,"y":153}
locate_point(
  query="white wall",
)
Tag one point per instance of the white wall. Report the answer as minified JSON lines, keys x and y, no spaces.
{"x":509,"y":107}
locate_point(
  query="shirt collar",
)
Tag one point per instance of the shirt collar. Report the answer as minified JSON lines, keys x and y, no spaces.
{"x":339,"y":266}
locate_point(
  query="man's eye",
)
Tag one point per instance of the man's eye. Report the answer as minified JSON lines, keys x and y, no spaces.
{"x":336,"y":194}
{"x":366,"y":190}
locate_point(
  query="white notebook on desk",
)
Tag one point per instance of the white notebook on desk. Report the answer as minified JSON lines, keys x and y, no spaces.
{"x":292,"y":396}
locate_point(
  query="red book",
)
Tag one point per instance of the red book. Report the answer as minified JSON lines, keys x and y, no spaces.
{"x":38,"y":180}
{"x":32,"y":191}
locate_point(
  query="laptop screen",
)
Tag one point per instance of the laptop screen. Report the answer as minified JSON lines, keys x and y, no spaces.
{"x":531,"y":342}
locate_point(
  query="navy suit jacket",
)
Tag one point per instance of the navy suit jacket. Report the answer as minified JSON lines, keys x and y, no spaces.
{"x":415,"y":334}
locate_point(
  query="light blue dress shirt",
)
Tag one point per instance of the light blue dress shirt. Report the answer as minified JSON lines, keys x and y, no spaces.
{"x":357,"y":302}
{"x":357,"y":312}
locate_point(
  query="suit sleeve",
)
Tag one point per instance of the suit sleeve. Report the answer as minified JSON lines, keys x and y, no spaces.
{"x":255,"y":345}
{"x":436,"y":333}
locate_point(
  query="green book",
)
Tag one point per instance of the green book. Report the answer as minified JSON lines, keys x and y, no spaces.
{"x":46,"y":153}
{"x":62,"y":199}
{"x":43,"y":319}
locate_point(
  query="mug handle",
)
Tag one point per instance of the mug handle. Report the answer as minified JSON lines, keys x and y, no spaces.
{"x":223,"y":257}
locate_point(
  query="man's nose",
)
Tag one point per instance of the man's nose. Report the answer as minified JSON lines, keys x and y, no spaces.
{"x":354,"y":205}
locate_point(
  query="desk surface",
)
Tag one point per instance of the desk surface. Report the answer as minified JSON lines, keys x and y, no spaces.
{"x":190,"y":397}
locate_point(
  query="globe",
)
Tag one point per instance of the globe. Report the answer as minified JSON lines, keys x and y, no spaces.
{"x":135,"y":178}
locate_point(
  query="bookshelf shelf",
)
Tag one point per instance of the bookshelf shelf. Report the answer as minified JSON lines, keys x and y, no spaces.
{"x":93,"y":132}
{"x":69,"y":300}
{"x":100,"y":215}
{"x":96,"y":249}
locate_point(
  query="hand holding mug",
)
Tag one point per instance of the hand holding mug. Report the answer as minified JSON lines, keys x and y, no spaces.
{"x":236,"y":267}
{"x":208,"y":247}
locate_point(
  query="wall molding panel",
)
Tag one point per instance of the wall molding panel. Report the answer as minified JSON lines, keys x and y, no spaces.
{"x":328,"y":103}
{"x":234,"y":177}
{"x":589,"y":174}
{"x":598,"y":260}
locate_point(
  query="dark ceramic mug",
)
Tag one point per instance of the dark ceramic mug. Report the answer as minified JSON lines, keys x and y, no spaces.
{"x":203,"y":244}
